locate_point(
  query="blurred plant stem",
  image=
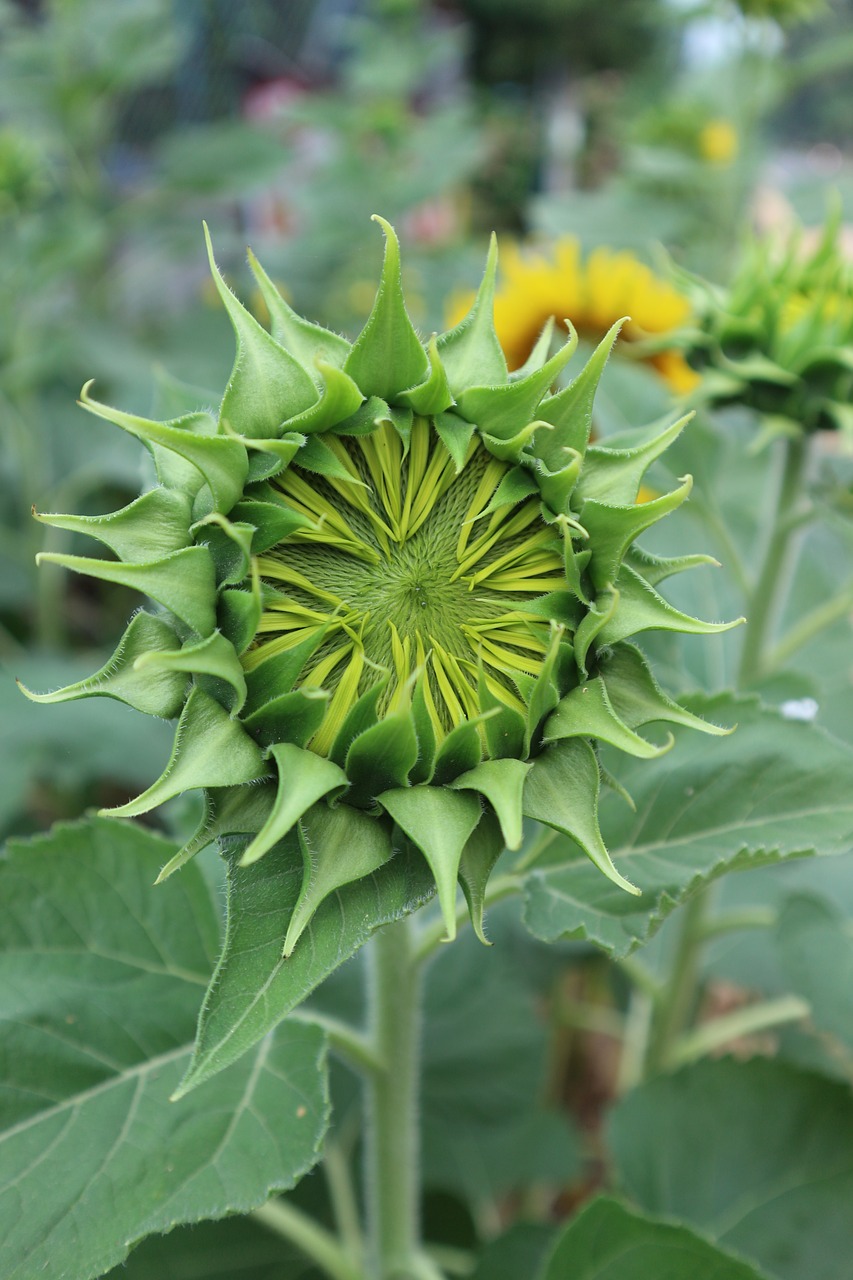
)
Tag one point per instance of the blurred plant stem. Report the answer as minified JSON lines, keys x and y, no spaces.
{"x":772,"y":584}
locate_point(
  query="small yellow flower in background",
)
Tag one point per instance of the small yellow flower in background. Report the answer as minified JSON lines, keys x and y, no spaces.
{"x":593,"y":293}
{"x":718,"y":142}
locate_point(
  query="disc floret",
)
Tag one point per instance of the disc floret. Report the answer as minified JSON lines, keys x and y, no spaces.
{"x":393,"y":590}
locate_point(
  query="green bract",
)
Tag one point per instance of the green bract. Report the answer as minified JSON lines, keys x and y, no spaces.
{"x":394,"y":589}
{"x":779,"y":339}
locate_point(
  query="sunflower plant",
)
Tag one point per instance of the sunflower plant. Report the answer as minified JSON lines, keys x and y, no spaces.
{"x":393,"y":600}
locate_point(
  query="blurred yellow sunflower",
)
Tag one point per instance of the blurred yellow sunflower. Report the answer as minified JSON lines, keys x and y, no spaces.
{"x":593,"y":293}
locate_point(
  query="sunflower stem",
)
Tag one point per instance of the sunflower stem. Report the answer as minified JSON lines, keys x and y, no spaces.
{"x":392,"y":1145}
{"x":773,"y":579}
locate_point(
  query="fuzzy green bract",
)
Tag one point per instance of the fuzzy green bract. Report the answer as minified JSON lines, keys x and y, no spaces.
{"x":779,"y":338}
{"x":393,"y":592}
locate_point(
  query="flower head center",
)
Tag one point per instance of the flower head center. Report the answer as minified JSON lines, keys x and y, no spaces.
{"x":406,"y":567}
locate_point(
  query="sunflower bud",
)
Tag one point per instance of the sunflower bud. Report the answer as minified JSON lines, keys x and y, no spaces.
{"x":393,"y":590}
{"x":779,"y":340}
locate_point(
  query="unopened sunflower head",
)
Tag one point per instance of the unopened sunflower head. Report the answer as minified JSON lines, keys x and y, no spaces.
{"x":537,"y":287}
{"x":393,"y":592}
{"x":779,"y":339}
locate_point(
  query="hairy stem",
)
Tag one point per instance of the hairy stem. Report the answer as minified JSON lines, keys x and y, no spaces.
{"x":392,"y":1146}
{"x":314,"y":1241}
{"x":677,"y":999}
{"x":773,"y":579}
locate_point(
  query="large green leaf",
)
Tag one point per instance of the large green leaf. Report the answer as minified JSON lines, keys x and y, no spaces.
{"x":101,"y":976}
{"x":608,"y":1241}
{"x":816,"y":946}
{"x":521,"y":1251}
{"x":755,"y":1154}
{"x":254,"y":986}
{"x":711,"y":806}
{"x":237,"y":1248}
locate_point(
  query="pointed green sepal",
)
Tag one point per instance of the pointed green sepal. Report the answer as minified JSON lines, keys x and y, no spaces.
{"x":543,"y":694}
{"x":600,"y":612}
{"x":183,"y":582}
{"x":382,"y":757}
{"x":482,"y":850}
{"x":267,"y":385}
{"x":557,"y":486}
{"x":268,"y":457}
{"x":366,"y":419}
{"x":517,"y":484}
{"x":306,"y":341}
{"x":455,"y":434}
{"x":433,"y":395}
{"x":340,"y":400}
{"x":148,"y":528}
{"x":458,"y":753}
{"x":471,"y":353}
{"x":388,"y":356}
{"x":499,"y":410}
{"x":424,"y":766}
{"x":657,"y":569}
{"x":363,"y":715}
{"x":612,"y":529}
{"x":210,"y":750}
{"x":315,"y":455}
{"x":640,"y":608}
{"x":505,"y":727}
{"x":291,"y":717}
{"x":539,"y":352}
{"x":159,"y":694}
{"x":230,"y":545}
{"x":338,"y":846}
{"x":570,"y":410}
{"x":638,"y":699}
{"x":614,"y":475}
{"x":501,"y":782}
{"x":271,"y":522}
{"x":587,"y":712}
{"x":303,"y":779}
{"x":511,"y":448}
{"x":279,"y":673}
{"x":228,"y":811}
{"x":220,"y":461}
{"x":239,"y":613}
{"x":439,"y":822}
{"x":213,"y":657}
{"x":561,"y":791}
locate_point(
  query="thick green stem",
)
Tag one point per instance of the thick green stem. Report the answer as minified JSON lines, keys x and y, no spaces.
{"x":773,"y":578}
{"x":392,"y":1146}
{"x":678,"y":997}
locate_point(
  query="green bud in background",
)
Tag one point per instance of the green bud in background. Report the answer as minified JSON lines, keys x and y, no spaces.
{"x":394,"y":588}
{"x":779,"y":339}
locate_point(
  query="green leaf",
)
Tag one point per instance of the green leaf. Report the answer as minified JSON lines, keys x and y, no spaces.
{"x":439,"y":822}
{"x":562,"y":791}
{"x":382,"y":757}
{"x":455,"y":434}
{"x":612,"y":529}
{"x":501,"y":782}
{"x":775,"y":1180}
{"x":220,"y":461}
{"x":303,"y":779}
{"x":433,"y":395}
{"x":388,"y":357}
{"x":338,"y":846}
{"x":234,"y":1247}
{"x":500,"y":411}
{"x":146,"y":529}
{"x":214,"y":657}
{"x":609,"y":1241}
{"x":816,"y":948}
{"x":710,"y":807}
{"x":471,"y":352}
{"x":254,"y":987}
{"x":93,"y":1154}
{"x":614,"y":475}
{"x":570,"y":410}
{"x":304,"y":340}
{"x":158,"y":693}
{"x":183,"y":582}
{"x":210,"y":750}
{"x":267,"y":384}
{"x":521,"y":1251}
